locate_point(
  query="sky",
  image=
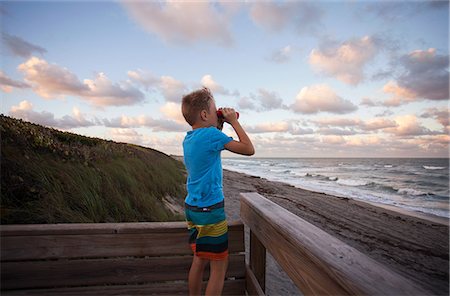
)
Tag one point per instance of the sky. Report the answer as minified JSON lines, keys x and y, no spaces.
{"x":309,"y":78}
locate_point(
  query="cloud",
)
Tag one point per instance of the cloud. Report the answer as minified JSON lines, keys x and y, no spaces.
{"x":25,"y":111}
{"x":425,"y":76}
{"x":333,"y":140}
{"x":345,"y":61}
{"x":209,"y":82}
{"x":357,"y":125}
{"x":321,"y":98}
{"x":146,"y":79}
{"x":440,"y":115}
{"x":269,"y":100}
{"x":246,"y":103}
{"x":20,"y":47}
{"x":378,"y":123}
{"x":269,"y":127}
{"x":172,"y":89}
{"x":172,"y":111}
{"x":157,"y":125}
{"x":342,"y":122}
{"x":7,"y":84}
{"x":264,"y":100}
{"x":400,"y":94}
{"x":183,"y":22}
{"x":408,"y":125}
{"x":369,"y":102}
{"x":289,"y":126}
{"x":395,"y":11}
{"x":304,"y":17}
{"x":282,"y":55}
{"x":51,"y":81}
{"x":125,"y":135}
{"x":336,"y":131}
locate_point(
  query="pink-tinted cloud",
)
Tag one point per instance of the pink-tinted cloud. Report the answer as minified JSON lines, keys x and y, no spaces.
{"x":156,"y":125}
{"x":378,"y":124}
{"x":7,"y":84}
{"x":440,"y":115}
{"x":321,"y":98}
{"x":269,"y":127}
{"x":183,"y":22}
{"x":349,"y":126}
{"x":408,"y":125}
{"x":171,"y":88}
{"x":425,"y":76}
{"x":25,"y":111}
{"x":172,"y":111}
{"x":216,"y":88}
{"x":52,"y":81}
{"x":346,"y":61}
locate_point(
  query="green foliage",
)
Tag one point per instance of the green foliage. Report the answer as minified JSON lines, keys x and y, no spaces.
{"x":50,"y":176}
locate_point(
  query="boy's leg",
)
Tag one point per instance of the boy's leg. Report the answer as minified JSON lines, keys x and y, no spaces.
{"x":196,"y":275}
{"x":218,"y":269}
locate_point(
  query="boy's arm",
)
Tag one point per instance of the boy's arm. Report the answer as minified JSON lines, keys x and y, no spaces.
{"x":244,"y":146}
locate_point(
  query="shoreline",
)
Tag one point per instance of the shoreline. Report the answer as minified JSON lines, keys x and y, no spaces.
{"x":417,"y":214}
{"x":413,"y":245}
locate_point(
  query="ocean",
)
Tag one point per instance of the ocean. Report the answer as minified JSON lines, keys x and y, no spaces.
{"x":413,"y":184}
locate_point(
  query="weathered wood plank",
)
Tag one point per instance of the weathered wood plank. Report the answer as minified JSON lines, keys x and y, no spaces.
{"x":94,"y":228}
{"x":258,"y":260}
{"x":317,"y":262}
{"x":76,"y":245}
{"x":231,"y":287}
{"x":46,"y":274}
{"x":251,"y":283}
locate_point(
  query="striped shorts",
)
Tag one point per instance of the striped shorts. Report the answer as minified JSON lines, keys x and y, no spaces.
{"x":208,"y":231}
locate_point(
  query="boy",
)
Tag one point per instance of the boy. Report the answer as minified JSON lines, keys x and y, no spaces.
{"x":204,"y":203}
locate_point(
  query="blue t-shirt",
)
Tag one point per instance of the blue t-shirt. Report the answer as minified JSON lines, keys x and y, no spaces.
{"x":202,"y":149}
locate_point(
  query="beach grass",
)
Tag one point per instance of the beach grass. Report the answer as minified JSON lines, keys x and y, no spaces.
{"x":50,"y":176}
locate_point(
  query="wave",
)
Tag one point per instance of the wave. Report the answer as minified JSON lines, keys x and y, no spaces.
{"x":429,"y":167}
{"x":412,"y":192}
{"x":321,"y":177}
{"x":352,"y":182}
{"x":280,"y":170}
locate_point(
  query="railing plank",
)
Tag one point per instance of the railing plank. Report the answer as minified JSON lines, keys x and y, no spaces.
{"x":231,"y":287}
{"x":89,"y":272}
{"x":19,"y":242}
{"x":317,"y":262}
{"x":94,"y":228}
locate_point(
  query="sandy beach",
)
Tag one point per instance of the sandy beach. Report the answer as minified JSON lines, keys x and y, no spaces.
{"x":413,"y":245}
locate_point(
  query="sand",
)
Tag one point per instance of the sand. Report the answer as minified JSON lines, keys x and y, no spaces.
{"x":413,"y":245}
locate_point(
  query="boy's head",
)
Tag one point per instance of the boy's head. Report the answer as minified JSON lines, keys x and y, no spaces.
{"x":199,"y":108}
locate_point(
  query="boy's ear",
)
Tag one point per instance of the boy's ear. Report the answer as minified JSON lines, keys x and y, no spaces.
{"x":203,"y":115}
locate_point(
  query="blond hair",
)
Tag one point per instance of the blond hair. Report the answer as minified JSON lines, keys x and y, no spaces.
{"x":194,"y":102}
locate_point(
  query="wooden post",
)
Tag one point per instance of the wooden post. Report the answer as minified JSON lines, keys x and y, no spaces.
{"x":258,"y":260}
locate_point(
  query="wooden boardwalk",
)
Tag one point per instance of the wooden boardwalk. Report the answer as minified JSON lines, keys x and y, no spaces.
{"x":154,"y":258}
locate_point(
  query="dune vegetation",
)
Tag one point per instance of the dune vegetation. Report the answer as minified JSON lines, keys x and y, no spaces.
{"x":50,"y":176}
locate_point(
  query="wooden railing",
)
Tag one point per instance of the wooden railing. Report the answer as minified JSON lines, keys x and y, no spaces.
{"x":107,"y":259}
{"x":154,"y":258}
{"x":318,"y":263}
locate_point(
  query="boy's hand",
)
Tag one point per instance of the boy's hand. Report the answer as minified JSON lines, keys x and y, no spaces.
{"x":229,"y":115}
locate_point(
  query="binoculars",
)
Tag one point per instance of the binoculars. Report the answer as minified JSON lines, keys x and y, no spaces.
{"x":220,"y":114}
